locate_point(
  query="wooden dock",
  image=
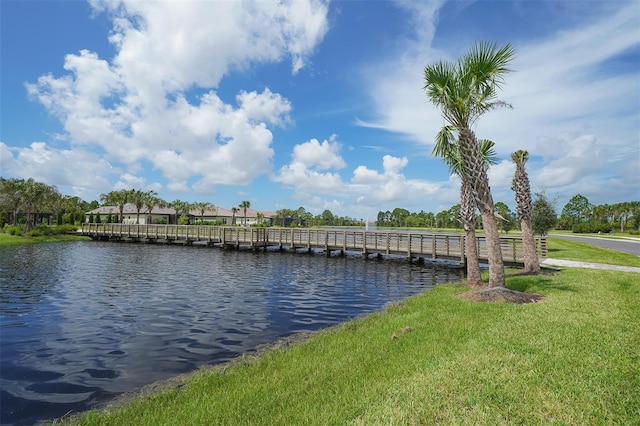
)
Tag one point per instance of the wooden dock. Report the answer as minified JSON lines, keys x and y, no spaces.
{"x":412,"y":245}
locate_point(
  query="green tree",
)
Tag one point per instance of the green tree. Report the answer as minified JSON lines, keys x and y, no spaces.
{"x":118,"y":198}
{"x":543,"y":213}
{"x":282,"y":215}
{"x":140,"y":199}
{"x":244,"y":205}
{"x":300,"y":214}
{"x":12,"y":193}
{"x":234,"y":210}
{"x":201,"y":207}
{"x":34,"y":197}
{"x":182,"y":208}
{"x":327,"y":217}
{"x":444,"y":219}
{"x":151,"y":200}
{"x":577,"y":210}
{"x":399,"y":216}
{"x":522,"y":189}
{"x":464,"y":91}
{"x":506,"y":217}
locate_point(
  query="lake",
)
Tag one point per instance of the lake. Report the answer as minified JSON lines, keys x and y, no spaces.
{"x":83,"y":322}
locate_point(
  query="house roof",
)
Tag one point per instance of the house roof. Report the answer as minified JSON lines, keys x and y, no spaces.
{"x":217,"y":211}
{"x":131,"y":209}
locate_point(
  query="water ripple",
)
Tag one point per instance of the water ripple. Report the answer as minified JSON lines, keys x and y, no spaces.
{"x":83,"y":322}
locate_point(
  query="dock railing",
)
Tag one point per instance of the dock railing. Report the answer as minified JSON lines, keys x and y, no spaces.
{"x":434,"y":245}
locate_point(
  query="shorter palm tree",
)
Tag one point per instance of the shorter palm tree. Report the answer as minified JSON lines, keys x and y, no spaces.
{"x":245,"y":205}
{"x":520,"y":185}
{"x":234,"y":210}
{"x":202,"y":206}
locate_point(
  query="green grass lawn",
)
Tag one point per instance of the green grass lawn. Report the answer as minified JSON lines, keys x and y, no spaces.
{"x":573,"y":358}
{"x":9,"y":240}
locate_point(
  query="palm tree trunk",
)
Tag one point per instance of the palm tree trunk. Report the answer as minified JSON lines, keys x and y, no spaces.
{"x":474,"y":277}
{"x":531,"y":264}
{"x":476,"y":173}
{"x":494,"y":252}
{"x":468,"y":216}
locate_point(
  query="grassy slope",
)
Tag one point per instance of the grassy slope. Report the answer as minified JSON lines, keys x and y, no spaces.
{"x":435,"y":359}
{"x":9,"y":240}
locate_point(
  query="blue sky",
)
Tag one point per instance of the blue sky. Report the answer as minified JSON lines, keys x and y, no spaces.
{"x":310,"y":103}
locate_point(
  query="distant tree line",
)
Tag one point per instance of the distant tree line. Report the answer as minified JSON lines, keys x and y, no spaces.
{"x":578,"y":215}
{"x":27,"y":203}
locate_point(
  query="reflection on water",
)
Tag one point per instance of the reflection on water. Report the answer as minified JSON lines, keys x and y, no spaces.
{"x":83,"y":322}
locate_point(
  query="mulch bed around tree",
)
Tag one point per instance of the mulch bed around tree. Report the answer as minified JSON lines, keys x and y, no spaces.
{"x":500,"y":294}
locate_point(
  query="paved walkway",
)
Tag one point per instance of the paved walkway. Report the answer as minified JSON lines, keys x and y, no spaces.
{"x":574,"y":264}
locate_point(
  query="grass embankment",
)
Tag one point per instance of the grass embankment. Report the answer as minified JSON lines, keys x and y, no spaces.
{"x":9,"y":240}
{"x":435,"y":359}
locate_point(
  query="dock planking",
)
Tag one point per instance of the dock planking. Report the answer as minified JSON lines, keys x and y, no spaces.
{"x":412,"y":245}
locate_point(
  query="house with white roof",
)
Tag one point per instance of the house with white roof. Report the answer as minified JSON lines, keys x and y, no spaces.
{"x":220,"y":215}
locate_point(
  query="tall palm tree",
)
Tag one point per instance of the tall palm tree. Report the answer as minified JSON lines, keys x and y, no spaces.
{"x":520,"y":185}
{"x":447,"y":149}
{"x":234,"y":210}
{"x":151,"y":200}
{"x":118,"y":198}
{"x":245,"y":205}
{"x":139,"y":199}
{"x":202,"y":206}
{"x":182,"y":208}
{"x":463,"y":91}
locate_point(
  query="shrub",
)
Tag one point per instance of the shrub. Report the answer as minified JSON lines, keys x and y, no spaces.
{"x":67,"y":228}
{"x":183,"y":220}
{"x":591,"y":228}
{"x":14,"y":230}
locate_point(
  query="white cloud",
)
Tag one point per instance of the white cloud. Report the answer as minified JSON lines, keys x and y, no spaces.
{"x":85,"y":171}
{"x":320,"y":156}
{"x":134,"y":108}
{"x":571,"y":105}
{"x":393,"y":165}
{"x":368,"y":189}
{"x":366,"y":176}
{"x":576,"y":158}
{"x":501,"y":174}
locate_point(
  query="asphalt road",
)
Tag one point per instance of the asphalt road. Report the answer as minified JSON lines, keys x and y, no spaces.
{"x":624,"y":245}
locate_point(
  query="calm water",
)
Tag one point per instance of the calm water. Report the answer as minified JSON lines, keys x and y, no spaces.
{"x":83,"y":322}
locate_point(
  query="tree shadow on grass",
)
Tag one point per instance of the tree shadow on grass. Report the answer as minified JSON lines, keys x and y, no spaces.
{"x":528,"y":282}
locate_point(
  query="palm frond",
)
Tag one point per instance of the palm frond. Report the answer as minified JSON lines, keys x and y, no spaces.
{"x":446,"y":147}
{"x":520,"y":157}
{"x":489,"y":154}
